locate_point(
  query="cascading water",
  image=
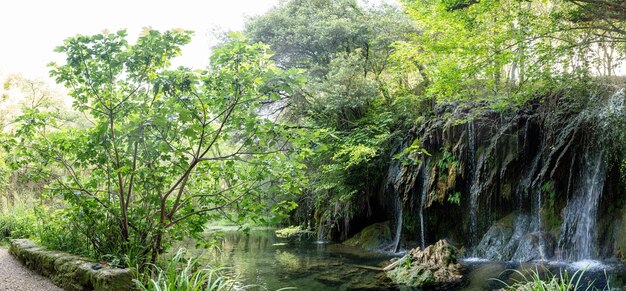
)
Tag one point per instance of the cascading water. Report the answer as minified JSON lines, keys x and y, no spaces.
{"x":578,"y":232}
{"x":398,"y":223}
{"x":424,"y":193}
{"x":474,"y":193}
{"x":475,"y":186}
{"x":393,"y":180}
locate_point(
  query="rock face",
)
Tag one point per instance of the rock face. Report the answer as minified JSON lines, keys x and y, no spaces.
{"x":69,"y":271}
{"x":510,"y":239}
{"x":374,"y":237}
{"x":434,"y":267}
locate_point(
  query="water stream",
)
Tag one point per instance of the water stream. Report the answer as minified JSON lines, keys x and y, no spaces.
{"x":424,"y":194}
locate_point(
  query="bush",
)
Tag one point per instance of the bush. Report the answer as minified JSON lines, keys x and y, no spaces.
{"x":18,"y":222}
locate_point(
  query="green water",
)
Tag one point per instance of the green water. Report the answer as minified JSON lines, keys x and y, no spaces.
{"x":262,"y":261}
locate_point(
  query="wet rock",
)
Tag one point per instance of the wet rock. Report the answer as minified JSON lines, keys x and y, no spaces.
{"x":434,"y":267}
{"x":501,"y":241}
{"x":535,"y":246}
{"x":373,"y":237}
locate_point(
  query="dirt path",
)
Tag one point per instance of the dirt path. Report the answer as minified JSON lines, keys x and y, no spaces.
{"x":16,"y":277}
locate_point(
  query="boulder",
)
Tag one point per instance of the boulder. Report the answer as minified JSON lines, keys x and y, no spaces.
{"x":501,"y":241}
{"x":374,"y":237}
{"x":434,"y":267}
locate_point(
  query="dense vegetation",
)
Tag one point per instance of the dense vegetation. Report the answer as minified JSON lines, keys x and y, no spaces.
{"x":295,"y":121}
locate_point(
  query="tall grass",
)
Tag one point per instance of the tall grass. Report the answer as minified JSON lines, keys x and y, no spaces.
{"x":534,"y":281}
{"x":17,"y":220}
{"x":181,"y":273}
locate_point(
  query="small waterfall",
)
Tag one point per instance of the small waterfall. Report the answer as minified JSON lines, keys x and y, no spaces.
{"x":475,"y":186}
{"x":475,"y":190}
{"x":393,"y":183}
{"x":423,"y":196}
{"x":526,"y":183}
{"x":578,"y":232}
{"x":398,"y":223}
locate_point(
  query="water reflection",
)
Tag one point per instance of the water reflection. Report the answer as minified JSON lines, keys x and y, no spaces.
{"x":261,"y":261}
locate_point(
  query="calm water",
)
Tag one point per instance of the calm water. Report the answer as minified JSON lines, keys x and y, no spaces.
{"x":262,"y":261}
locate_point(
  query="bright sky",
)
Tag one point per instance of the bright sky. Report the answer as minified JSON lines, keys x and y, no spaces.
{"x":31,"y":29}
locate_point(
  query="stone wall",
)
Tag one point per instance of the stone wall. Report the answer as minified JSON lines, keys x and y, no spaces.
{"x":69,"y":271}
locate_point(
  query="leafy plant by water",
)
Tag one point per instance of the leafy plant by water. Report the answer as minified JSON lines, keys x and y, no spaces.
{"x":182,"y":273}
{"x":535,"y":280}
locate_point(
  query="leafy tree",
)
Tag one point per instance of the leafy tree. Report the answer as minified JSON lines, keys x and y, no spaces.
{"x":473,"y":49}
{"x":31,"y":109}
{"x":169,"y":149}
{"x":355,"y":101}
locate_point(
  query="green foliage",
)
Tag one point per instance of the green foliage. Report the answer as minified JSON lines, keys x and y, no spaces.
{"x":448,"y":160}
{"x":17,"y":219}
{"x":51,"y":231}
{"x":169,"y":149}
{"x":535,"y":280}
{"x":411,"y":154}
{"x":505,"y":49}
{"x":455,"y":198}
{"x":349,"y":104}
{"x":288,"y":232}
{"x":181,"y":273}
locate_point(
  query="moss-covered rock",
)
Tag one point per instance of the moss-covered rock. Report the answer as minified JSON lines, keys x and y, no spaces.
{"x":434,"y":267}
{"x":373,"y":237}
{"x":69,"y":271}
{"x":294,"y":232}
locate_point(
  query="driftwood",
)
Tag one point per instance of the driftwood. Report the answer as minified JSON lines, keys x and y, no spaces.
{"x":377,"y":269}
{"x":396,"y":263}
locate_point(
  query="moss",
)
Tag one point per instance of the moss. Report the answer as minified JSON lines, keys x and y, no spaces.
{"x":372,"y":237}
{"x":69,"y":271}
{"x":288,"y":232}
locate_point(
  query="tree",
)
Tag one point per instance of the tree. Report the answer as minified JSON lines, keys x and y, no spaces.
{"x":472,"y":49}
{"x":355,"y":100}
{"x":169,"y":149}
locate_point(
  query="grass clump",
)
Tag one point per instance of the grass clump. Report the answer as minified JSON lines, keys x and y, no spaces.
{"x":534,"y":280}
{"x":182,"y":273}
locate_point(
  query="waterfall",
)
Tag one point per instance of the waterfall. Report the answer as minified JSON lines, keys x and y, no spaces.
{"x":578,"y":232}
{"x":475,"y":185}
{"x":393,"y":183}
{"x":474,"y":193}
{"x":526,"y":184}
{"x":398,"y":232}
{"x":423,"y":196}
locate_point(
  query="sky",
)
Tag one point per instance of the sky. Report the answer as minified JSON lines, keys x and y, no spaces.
{"x":31,"y":29}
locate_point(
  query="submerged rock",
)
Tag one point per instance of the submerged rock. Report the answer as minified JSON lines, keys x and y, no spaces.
{"x":434,"y":267}
{"x":373,"y":237}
